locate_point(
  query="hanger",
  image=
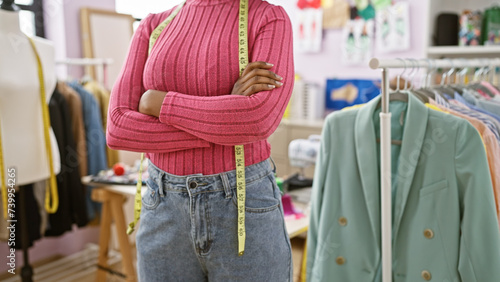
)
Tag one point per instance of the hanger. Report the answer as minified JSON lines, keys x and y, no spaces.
{"x":478,"y":77}
{"x":477,"y":74}
{"x":398,"y":95}
{"x":445,"y":88}
{"x":459,"y":84}
{"x":426,"y":91}
{"x":411,"y":90}
{"x":464,"y":72}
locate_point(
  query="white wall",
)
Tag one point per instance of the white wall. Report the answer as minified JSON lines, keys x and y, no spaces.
{"x":327,"y":64}
{"x":62,"y":26}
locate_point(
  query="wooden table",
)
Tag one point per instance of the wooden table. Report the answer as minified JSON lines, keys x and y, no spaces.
{"x":112,"y":198}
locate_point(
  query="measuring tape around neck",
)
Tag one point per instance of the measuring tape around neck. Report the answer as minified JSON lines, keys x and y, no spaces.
{"x":239,"y":150}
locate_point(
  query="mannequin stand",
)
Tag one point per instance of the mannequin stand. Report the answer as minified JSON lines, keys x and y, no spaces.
{"x":27,"y":270}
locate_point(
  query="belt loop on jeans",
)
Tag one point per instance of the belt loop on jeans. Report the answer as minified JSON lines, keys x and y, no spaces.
{"x":160,"y":184}
{"x":274,"y":165}
{"x":226,"y":184}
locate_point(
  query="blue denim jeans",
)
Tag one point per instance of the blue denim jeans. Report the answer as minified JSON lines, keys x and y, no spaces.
{"x":188,"y":228}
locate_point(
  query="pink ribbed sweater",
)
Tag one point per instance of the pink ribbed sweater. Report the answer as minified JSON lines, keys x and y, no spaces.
{"x":196,"y":60}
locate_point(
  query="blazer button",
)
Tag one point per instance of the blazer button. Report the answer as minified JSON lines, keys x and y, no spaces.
{"x":343,"y":221}
{"x":428,"y":233}
{"x":426,"y":275}
{"x":340,"y":260}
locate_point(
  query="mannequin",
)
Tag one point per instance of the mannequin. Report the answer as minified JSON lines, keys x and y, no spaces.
{"x":20,"y":109}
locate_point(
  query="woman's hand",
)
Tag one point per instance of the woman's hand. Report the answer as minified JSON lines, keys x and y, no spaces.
{"x":256,"y":78}
{"x":151,"y":102}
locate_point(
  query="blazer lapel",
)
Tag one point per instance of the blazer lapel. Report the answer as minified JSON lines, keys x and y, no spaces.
{"x":366,"y":154}
{"x":413,"y":137}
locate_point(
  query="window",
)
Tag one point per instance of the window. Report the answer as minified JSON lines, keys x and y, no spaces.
{"x":31,"y":17}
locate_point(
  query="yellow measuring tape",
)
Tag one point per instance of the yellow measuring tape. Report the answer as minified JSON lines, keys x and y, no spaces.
{"x":137,"y":200}
{"x":50,"y":206}
{"x":158,"y":30}
{"x":239,"y":150}
{"x":138,"y":197}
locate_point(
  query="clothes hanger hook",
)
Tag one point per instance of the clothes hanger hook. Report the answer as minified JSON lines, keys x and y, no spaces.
{"x":398,"y":78}
{"x":449,"y":73}
{"x":417,"y":65}
{"x":477,"y":73}
{"x":429,"y":70}
{"x":410,"y":75}
{"x":464,"y":71}
{"x":434,"y":70}
{"x":414,"y":71}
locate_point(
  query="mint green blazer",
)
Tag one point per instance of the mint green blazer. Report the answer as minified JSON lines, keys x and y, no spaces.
{"x":444,"y":220}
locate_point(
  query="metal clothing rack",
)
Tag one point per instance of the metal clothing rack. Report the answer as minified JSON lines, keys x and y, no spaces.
{"x":101,"y":65}
{"x":385,"y":134}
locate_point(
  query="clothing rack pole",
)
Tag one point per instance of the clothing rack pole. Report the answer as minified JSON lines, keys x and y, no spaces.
{"x":385,"y":178}
{"x":385,"y":140}
{"x":100,"y":63}
{"x":26,"y":270}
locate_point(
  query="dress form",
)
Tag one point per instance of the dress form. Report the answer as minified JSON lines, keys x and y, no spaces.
{"x":20,"y":103}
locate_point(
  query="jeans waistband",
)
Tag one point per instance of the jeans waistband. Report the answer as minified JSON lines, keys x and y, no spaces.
{"x":205,"y":183}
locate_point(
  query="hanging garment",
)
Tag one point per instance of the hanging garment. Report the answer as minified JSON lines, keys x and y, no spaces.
{"x":463,"y":109}
{"x":444,"y":220}
{"x":102,"y":95}
{"x":39,"y":193}
{"x":75,"y":110}
{"x":492,"y":89}
{"x":492,"y":150}
{"x":72,"y":207}
{"x":492,"y":123}
{"x":32,"y":216}
{"x":96,"y":141}
{"x":478,"y":104}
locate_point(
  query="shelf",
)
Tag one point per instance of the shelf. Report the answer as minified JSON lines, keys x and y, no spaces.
{"x":468,"y":51}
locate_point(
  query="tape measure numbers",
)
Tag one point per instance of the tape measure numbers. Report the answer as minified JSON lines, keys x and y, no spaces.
{"x":239,"y":150}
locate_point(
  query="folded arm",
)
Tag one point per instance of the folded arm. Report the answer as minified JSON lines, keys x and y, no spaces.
{"x":240,"y":119}
{"x":130,"y":130}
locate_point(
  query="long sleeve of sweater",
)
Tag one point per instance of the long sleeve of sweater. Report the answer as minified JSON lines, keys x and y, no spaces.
{"x":234,"y":119}
{"x":130,"y":130}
